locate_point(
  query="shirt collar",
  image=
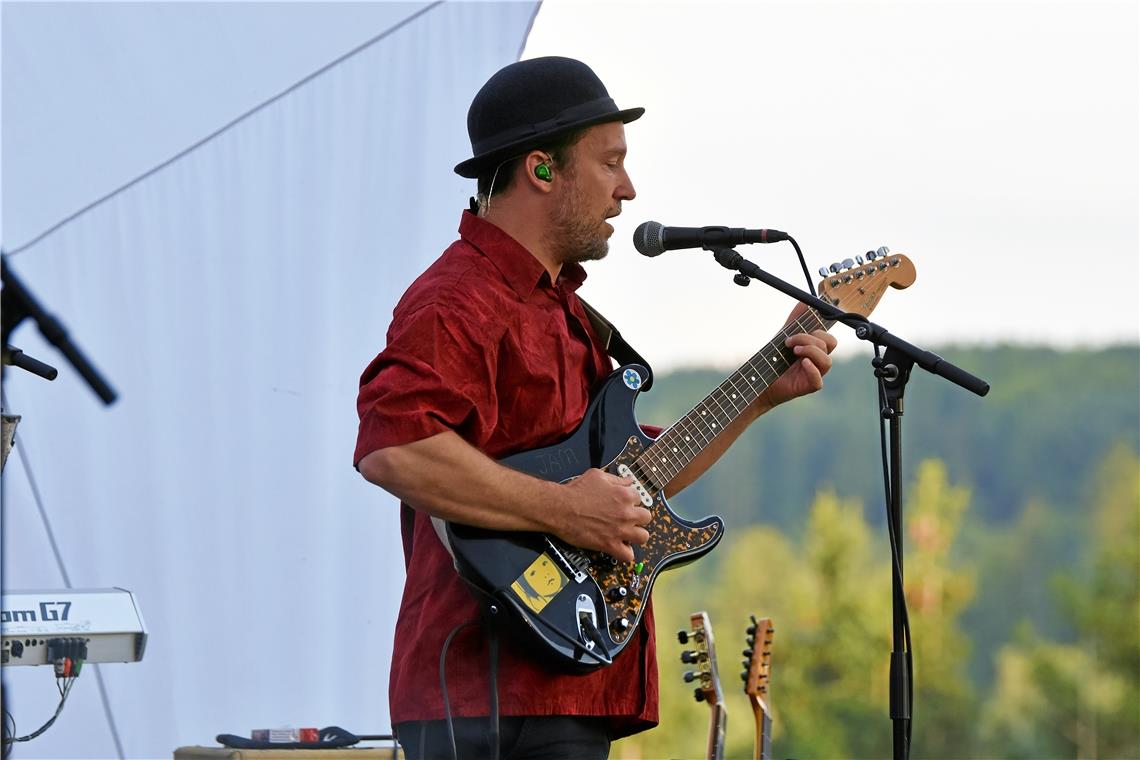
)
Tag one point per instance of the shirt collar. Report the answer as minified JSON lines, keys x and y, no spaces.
{"x":522,"y":271}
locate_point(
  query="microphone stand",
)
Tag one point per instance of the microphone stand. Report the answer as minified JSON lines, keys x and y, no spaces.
{"x":16,"y":303}
{"x":892,"y":370}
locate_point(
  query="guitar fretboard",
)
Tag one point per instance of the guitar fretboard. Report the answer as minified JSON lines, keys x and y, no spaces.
{"x":685,"y":439}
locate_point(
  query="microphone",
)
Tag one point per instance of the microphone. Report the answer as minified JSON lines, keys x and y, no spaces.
{"x":653,"y":238}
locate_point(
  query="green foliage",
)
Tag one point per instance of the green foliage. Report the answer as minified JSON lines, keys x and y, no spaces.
{"x":1022,"y":560}
{"x":1029,"y":452}
{"x":829,"y":598}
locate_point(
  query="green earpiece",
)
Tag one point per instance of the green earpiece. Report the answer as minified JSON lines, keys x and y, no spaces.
{"x":542,"y":171}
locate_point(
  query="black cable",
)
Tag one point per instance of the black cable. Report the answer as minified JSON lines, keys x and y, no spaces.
{"x":64,"y":691}
{"x":803,"y":265}
{"x":443,"y":687}
{"x":226,"y":127}
{"x":9,"y":733}
{"x":493,"y":657}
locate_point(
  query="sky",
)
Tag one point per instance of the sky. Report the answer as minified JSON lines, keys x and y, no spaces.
{"x":995,"y":144}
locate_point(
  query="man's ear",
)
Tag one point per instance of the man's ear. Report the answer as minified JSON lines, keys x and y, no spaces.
{"x":539,"y":168}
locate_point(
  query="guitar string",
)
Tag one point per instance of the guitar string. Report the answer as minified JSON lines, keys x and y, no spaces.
{"x":665,"y":449}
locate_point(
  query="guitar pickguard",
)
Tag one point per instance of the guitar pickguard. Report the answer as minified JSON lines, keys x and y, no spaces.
{"x":672,"y":541}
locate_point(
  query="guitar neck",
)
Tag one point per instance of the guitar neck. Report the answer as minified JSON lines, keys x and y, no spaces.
{"x":718,"y":727}
{"x":690,"y":435}
{"x":763,"y":743}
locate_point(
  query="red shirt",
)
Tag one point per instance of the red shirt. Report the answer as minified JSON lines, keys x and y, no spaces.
{"x":485,"y":345}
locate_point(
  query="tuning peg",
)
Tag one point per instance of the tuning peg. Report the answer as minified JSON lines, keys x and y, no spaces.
{"x":744,"y":676}
{"x":751,"y":642}
{"x":883,"y":250}
{"x":823,"y":272}
{"x":745,"y":663}
{"x":871,"y":255}
{"x":699,"y":694}
{"x":834,"y":268}
{"x":683,"y":637}
{"x":689,"y":676}
{"x":690,"y":656}
{"x":747,"y":653}
{"x":859,"y":260}
{"x":848,"y":263}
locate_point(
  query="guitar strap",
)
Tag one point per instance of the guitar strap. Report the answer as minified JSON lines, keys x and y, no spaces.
{"x":616,"y":345}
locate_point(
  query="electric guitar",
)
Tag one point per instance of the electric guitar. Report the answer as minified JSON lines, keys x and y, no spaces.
{"x":703,"y":656}
{"x":757,"y":676}
{"x":580,"y":608}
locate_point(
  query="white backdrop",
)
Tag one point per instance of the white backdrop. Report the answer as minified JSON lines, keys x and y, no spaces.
{"x":232,"y":299}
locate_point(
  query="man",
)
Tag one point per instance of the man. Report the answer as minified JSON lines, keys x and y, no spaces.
{"x":489,"y":353}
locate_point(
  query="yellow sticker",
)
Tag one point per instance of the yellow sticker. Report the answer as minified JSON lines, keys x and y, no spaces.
{"x":539,"y":583}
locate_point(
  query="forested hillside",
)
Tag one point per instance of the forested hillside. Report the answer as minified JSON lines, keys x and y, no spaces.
{"x":1022,"y":519}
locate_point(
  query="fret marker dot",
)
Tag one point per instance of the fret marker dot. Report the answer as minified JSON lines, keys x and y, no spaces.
{"x":687,"y":438}
{"x":734,"y":395}
{"x":714,"y":424}
{"x":674,"y":449}
{"x":703,"y":413}
{"x":754,"y":377}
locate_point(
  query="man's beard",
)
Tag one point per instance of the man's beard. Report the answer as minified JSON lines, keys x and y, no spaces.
{"x":574,"y":238}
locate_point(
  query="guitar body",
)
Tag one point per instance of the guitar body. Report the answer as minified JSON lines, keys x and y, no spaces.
{"x":582,"y":607}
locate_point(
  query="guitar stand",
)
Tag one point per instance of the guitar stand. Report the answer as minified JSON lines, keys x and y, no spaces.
{"x":892,"y":371}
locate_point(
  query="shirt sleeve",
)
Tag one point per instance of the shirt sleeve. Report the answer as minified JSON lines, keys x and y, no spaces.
{"x":437,"y":373}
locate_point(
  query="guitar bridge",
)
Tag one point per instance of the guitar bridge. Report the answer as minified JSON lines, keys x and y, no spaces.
{"x":574,"y":563}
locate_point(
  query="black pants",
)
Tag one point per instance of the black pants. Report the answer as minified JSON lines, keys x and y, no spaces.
{"x":520,"y":738}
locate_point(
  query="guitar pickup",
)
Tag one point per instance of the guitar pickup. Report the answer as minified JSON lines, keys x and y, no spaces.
{"x":646,"y":497}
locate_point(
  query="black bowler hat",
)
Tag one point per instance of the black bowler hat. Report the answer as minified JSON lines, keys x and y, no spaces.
{"x":529,"y":102}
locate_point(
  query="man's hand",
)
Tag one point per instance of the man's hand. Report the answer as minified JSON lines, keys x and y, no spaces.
{"x":813,"y":352}
{"x":603,"y":512}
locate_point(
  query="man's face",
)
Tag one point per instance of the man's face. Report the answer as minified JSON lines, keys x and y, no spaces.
{"x":594,"y":183}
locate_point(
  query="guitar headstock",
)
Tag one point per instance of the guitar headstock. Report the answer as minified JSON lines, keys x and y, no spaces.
{"x":758,"y":659}
{"x":703,"y":657}
{"x":757,"y":678}
{"x":857,"y":285}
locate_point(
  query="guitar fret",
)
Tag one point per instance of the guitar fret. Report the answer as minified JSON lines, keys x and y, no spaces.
{"x":685,"y":439}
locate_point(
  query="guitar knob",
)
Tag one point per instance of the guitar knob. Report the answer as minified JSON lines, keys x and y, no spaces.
{"x":617,"y":593}
{"x":699,"y":694}
{"x":683,"y":637}
{"x":689,"y":676}
{"x":620,"y":625}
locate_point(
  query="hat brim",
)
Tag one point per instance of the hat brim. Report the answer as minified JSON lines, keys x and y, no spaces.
{"x":474,"y":166}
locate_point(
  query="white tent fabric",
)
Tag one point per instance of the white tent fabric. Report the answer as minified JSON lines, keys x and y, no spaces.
{"x":232,"y":299}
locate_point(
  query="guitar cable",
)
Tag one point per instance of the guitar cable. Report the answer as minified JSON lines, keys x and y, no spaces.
{"x":443,"y":689}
